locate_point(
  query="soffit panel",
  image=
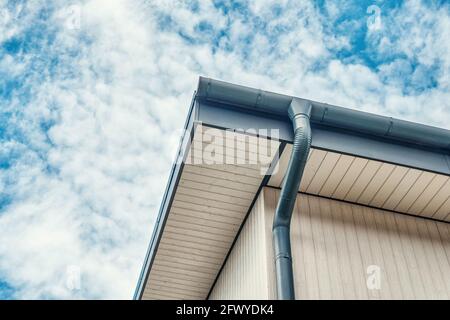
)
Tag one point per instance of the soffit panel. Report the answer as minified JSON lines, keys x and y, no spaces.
{"x":217,"y":186}
{"x":370,"y":182}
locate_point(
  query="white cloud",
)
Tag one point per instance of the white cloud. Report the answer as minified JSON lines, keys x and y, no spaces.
{"x":86,"y":191}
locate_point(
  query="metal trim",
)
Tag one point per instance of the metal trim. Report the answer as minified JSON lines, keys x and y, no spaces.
{"x":224,"y":117}
{"x":327,"y":115}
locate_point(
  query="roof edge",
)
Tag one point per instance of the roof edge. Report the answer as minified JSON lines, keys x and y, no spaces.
{"x":326,"y":114}
{"x":166,"y":201}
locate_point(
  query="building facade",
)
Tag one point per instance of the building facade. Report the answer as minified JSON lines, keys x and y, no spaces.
{"x":370,"y":218}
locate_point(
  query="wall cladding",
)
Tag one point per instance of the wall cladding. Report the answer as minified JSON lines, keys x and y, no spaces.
{"x":341,"y":251}
{"x":245,"y":275}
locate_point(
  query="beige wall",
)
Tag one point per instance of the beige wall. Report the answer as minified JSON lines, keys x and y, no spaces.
{"x":338,"y":248}
{"x":245,"y":275}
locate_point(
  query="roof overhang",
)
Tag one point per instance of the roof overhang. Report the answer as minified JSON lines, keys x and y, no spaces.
{"x":325,"y":114}
{"x":348,"y":147}
{"x":336,"y":128}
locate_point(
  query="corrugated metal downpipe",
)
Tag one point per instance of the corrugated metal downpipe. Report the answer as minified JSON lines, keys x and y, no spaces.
{"x":299,"y":112}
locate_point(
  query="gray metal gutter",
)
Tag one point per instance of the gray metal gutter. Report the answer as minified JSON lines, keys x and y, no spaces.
{"x":326,"y":115}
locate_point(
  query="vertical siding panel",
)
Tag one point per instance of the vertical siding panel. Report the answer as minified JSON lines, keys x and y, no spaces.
{"x":262,"y":278}
{"x":258,"y":252}
{"x":440,"y":253}
{"x":242,"y":271}
{"x":363,"y":244}
{"x":419,"y":252}
{"x":430,"y":254}
{"x":410,"y":257}
{"x":399,"y":258}
{"x":390,"y":265}
{"x":244,"y":275}
{"x":377,"y":254}
{"x":297,"y":256}
{"x":358,"y":270}
{"x":269,"y":208}
{"x":343,"y":251}
{"x":307,"y":250}
{"x":323,"y":273}
{"x":444,"y":235}
{"x":336,"y":281}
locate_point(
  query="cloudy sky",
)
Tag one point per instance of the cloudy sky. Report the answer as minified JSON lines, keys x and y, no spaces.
{"x":92,"y":94}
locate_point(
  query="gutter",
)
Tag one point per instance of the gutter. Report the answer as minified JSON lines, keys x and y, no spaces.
{"x":326,"y":115}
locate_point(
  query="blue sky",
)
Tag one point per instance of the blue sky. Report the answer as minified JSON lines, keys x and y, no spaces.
{"x":91,"y":92}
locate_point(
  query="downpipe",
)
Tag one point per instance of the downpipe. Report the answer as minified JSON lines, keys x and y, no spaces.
{"x":299,"y":113}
